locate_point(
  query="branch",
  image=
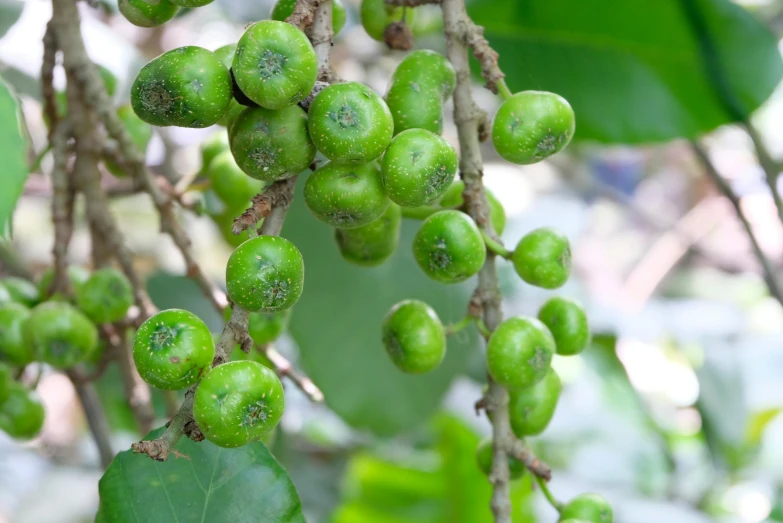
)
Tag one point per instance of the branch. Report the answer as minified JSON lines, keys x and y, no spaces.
{"x":768,"y":164}
{"x":284,"y":368}
{"x":264,"y":203}
{"x":96,"y":419}
{"x":303,"y":14}
{"x":321,"y":34}
{"x":62,"y":210}
{"x":472,"y":35}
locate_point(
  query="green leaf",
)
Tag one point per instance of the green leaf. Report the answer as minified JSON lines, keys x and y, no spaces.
{"x":10,"y":11}
{"x":200,"y":483}
{"x":337,"y":325}
{"x":636,"y":71}
{"x":13,"y":149}
{"x":757,"y":423}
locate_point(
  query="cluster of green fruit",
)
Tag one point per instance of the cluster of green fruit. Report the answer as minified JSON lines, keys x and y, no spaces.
{"x":37,"y":327}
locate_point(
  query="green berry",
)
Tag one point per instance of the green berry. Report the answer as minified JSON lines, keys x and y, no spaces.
{"x":567,"y":322}
{"x":140,"y":133}
{"x":543,"y":258}
{"x":453,"y":199}
{"x":418,"y":167}
{"x":531,"y":409}
{"x":531,"y":126}
{"x":186,"y":87}
{"x":59,"y":334}
{"x":226,"y":55}
{"x":484,"y":455}
{"x":237,"y":403}
{"x":448,"y":247}
{"x":215,"y":144}
{"x":346,"y":196}
{"x":425,"y":70}
{"x":173,"y":349}
{"x":372,"y":244}
{"x":350,"y":123}
{"x":106,"y":296}
{"x":265,"y":274}
{"x":21,"y":415}
{"x":589,"y":507}
{"x":21,"y":290}
{"x":377,"y":14}
{"x":414,"y":337}
{"x":191,"y":3}
{"x":271,"y":145}
{"x":275,"y":64}
{"x":284,"y":8}
{"x":13,"y":348}
{"x":148,"y":13}
{"x":76,"y":275}
{"x":519,"y":352}
{"x":232,"y":185}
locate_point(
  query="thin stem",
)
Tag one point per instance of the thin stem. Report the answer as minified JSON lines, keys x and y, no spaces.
{"x":36,"y":165}
{"x":503,"y":91}
{"x":495,"y":246}
{"x":770,"y":167}
{"x":482,"y":328}
{"x":96,"y":420}
{"x":460,"y":325}
{"x":548,"y":494}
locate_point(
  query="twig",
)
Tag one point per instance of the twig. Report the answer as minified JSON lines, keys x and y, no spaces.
{"x":321,"y":34}
{"x":768,"y":164}
{"x":136,"y":390}
{"x":62,"y":210}
{"x":518,"y":450}
{"x":272,"y":197}
{"x":96,"y":419}
{"x":303,"y":13}
{"x":284,"y":368}
{"x":273,"y":223}
{"x":47,"y":78}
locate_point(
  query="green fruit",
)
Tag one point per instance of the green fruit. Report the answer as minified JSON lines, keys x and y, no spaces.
{"x":6,"y":381}
{"x":21,"y":415}
{"x":284,"y":8}
{"x":215,"y":144}
{"x":346,"y":196}
{"x":531,"y":126}
{"x":448,"y":247}
{"x":543,"y":258}
{"x":173,"y":349}
{"x":377,"y":14}
{"x":418,"y":167}
{"x":186,"y":87}
{"x":531,"y":409}
{"x":106,"y":296}
{"x":234,"y":110}
{"x":148,"y":13}
{"x":226,"y":54}
{"x":426,"y":71}
{"x":191,"y":3}
{"x":266,"y":274}
{"x":372,"y":244}
{"x":21,"y":290}
{"x":237,"y":403}
{"x":519,"y":352}
{"x":589,"y":507}
{"x":567,"y":322}
{"x":76,"y":275}
{"x":275,"y":64}
{"x":265,"y":327}
{"x":232,"y":185}
{"x":13,"y":349}
{"x":452,"y":199}
{"x":59,"y":334}
{"x":350,"y":123}
{"x":414,"y":337}
{"x":271,"y":145}
{"x":139,"y":131}
{"x":412,"y":109}
{"x":484,"y":456}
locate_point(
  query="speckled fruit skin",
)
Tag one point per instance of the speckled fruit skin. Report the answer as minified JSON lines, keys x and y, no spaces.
{"x":284,"y":8}
{"x":237,"y":403}
{"x":452,"y":199}
{"x":418,"y":167}
{"x":139,"y":131}
{"x":226,"y":55}
{"x":531,"y":409}
{"x":377,"y":14}
{"x":21,"y":415}
{"x":350,"y":123}
{"x":187,"y":87}
{"x":589,"y":507}
{"x":275,"y":64}
{"x":414,"y":337}
{"x":13,"y":349}
{"x":543,"y":258}
{"x":265,"y":274}
{"x":374,"y":243}
{"x":265,"y":327}
{"x":76,"y":275}
{"x":531,"y":126}
{"x":232,"y":185}
{"x":191,"y":3}
{"x":147,"y":13}
{"x":519,"y":352}
{"x":173,"y":349}
{"x":215,"y":144}
{"x":271,"y":145}
{"x":59,"y":334}
{"x":21,"y":290}
{"x":346,"y":196}
{"x":448,"y":247}
{"x":484,"y":456}
{"x":567,"y":322}
{"x":106,"y":296}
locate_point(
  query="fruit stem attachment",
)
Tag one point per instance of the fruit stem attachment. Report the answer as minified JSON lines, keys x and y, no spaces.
{"x":495,"y":246}
{"x":503,"y":91}
{"x":548,"y":494}
{"x":482,"y":328}
{"x":460,"y":325}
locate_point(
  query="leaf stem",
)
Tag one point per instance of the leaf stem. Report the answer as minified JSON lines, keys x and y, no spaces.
{"x":495,"y":246}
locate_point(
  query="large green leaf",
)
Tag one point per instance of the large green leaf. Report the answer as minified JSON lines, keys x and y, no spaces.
{"x":636,"y":71}
{"x":13,"y":149}
{"x":337,"y":325}
{"x":199,"y":483}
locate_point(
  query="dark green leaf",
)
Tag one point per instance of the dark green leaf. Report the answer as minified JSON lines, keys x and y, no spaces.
{"x":10,"y":11}
{"x":200,"y":483}
{"x":337,"y":324}
{"x":13,"y":149}
{"x":636,"y":71}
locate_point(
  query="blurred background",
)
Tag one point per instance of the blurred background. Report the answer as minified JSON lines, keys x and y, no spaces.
{"x":671,"y":414}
